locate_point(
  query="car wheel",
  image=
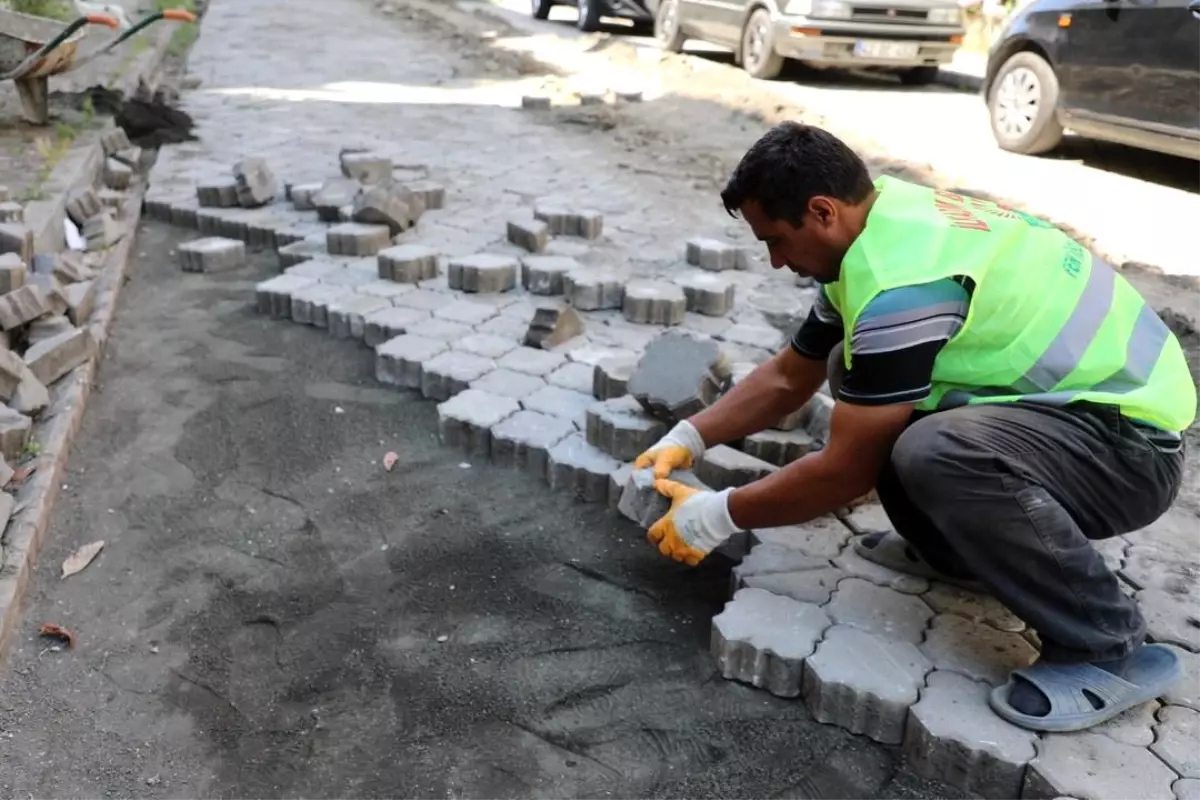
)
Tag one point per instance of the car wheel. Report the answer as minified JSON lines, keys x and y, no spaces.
{"x":666,"y":27}
{"x":919,"y":76}
{"x":589,"y":15}
{"x":1022,"y":104}
{"x":541,"y":8}
{"x":758,"y":47}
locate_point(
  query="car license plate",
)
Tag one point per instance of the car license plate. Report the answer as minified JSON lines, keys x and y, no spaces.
{"x":897,"y":51}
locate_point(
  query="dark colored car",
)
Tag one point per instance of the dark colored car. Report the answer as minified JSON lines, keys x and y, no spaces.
{"x":1124,"y":71}
{"x":590,"y":12}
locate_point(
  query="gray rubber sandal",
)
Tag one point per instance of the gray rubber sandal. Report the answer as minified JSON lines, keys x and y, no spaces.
{"x":1074,"y":690}
{"x":889,"y":549}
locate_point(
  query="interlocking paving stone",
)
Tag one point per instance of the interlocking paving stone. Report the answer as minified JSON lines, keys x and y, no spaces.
{"x":575,"y":466}
{"x":15,"y":429}
{"x":353,"y":275}
{"x":980,"y":608}
{"x":559,"y":402}
{"x":52,"y":358}
{"x":400,"y":361}
{"x":532,"y":361}
{"x":408,"y":263}
{"x":759,"y":336}
{"x":678,"y":375}
{"x":715,"y":255}
{"x":551,"y":327}
{"x":524,"y":439}
{"x":869,"y":518}
{"x":424,"y":299}
{"x":482,"y":273}
{"x":505,"y":325}
{"x":217,"y":194}
{"x":583,"y":350}
{"x":576,"y":377}
{"x":310,"y":305}
{"x":1171,"y":617}
{"x":863,"y":683}
{"x":813,"y":582}
{"x":1187,"y":691}
{"x":388,"y":323}
{"x":1178,"y":740}
{"x":879,"y":610}
{"x":388,"y":290}
{"x":394,"y":206}
{"x":769,"y":558}
{"x":823,"y":537}
{"x":649,"y":302}
{"x":212,"y":254}
{"x":592,"y":291}
{"x":545,"y":275}
{"x":357,"y":239}
{"x":642,"y":503}
{"x":855,"y":565}
{"x":706,"y":293}
{"x":621,"y":427}
{"x":762,"y":639}
{"x":296,"y":253}
{"x":466,"y":420}
{"x":1091,"y":766}
{"x":333,"y":196}
{"x":955,"y":643}
{"x":443,"y":329}
{"x":485,"y":344}
{"x":1135,"y":726}
{"x":953,"y":736}
{"x":366,"y":167}
{"x":274,"y":295}
{"x":255,"y":183}
{"x":431,"y":193}
{"x":616,"y":485}
{"x":447,"y":374}
{"x":783,"y":307}
{"x":779,"y":447}
{"x":1186,"y":789}
{"x":610,"y":376}
{"x":465,"y":312}
{"x":346,"y":317}
{"x":722,"y":467}
{"x":528,"y":233}
{"x":507,"y":383}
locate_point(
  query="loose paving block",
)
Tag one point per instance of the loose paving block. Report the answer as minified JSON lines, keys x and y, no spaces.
{"x":310,"y":304}
{"x":400,"y":361}
{"x":779,"y":447}
{"x":610,"y":376}
{"x":274,"y":295}
{"x":981,"y":608}
{"x":885,"y":612}
{"x":1170,"y":617}
{"x":408,"y":263}
{"x":50,"y":359}
{"x":1176,"y":739}
{"x":863,"y":683}
{"x":723,"y":468}
{"x":212,"y":254}
{"x":529,"y":233}
{"x":546,"y":275}
{"x":853,"y":564}
{"x":357,"y":239}
{"x":47,"y":327}
{"x":551,"y":326}
{"x":762,"y":639}
{"x":80,"y":299}
{"x":586,"y":224}
{"x":12,"y":273}
{"x":679,"y":375}
{"x":642,"y":503}
{"x":482,"y":273}
{"x":953,"y":736}
{"x":754,"y":336}
{"x":347,"y":316}
{"x":486,"y":345}
{"x":788,"y":573}
{"x":706,"y":293}
{"x":102,"y":231}
{"x":616,"y":485}
{"x":116,"y":174}
{"x":366,"y":167}
{"x":621,"y":427}
{"x":532,"y":361}
{"x":447,"y":374}
{"x":466,"y":420}
{"x":433,"y":195}
{"x":52,"y":291}
{"x":395,"y":207}
{"x":31,"y":398}
{"x":256,"y":184}
{"x":12,"y":370}
{"x":12,"y":212}
{"x":593,"y":291}
{"x":715,"y":255}
{"x":524,"y":439}
{"x":82,"y":205}
{"x":388,"y":323}
{"x":302,"y":196}
{"x":15,"y":430}
{"x":649,"y":302}
{"x":333,"y":196}
{"x":956,"y":644}
{"x":217,"y":194}
{"x":535,"y":102}
{"x":824,"y":537}
{"x":466,"y":313}
{"x":1091,"y":766}
{"x":507,"y":383}
{"x":575,"y":466}
{"x":22,"y":306}
{"x":559,"y":402}
{"x":16,"y":238}
{"x":69,"y":267}
{"x":557,"y":217}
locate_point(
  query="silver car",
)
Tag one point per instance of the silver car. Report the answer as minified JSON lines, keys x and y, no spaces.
{"x":908,"y":37}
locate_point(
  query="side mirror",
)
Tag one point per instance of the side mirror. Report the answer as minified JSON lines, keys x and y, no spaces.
{"x":1194,"y":7}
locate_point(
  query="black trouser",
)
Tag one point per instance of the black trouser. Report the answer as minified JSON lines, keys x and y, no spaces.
{"x":1012,"y":495}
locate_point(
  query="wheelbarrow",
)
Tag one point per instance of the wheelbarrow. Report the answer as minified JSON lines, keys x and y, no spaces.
{"x":34,"y":48}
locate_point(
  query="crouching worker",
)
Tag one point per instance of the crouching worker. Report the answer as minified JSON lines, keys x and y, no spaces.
{"x":1010,"y":397}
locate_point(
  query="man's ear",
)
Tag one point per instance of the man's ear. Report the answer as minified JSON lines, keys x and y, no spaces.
{"x":822,"y":210}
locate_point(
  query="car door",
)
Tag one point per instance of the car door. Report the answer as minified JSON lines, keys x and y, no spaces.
{"x":710,"y":19}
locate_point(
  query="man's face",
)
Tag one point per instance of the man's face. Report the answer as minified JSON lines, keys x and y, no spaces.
{"x":814,"y":249}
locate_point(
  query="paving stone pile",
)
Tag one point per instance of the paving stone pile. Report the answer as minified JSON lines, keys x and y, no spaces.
{"x":549,"y":351}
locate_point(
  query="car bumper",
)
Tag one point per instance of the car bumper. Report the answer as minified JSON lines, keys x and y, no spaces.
{"x":862,"y":45}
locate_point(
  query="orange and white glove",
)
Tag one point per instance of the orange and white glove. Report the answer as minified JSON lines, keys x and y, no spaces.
{"x":697,"y":523}
{"x":679,"y":449}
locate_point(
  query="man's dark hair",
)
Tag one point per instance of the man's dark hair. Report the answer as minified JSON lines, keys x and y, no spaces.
{"x":791,"y":164}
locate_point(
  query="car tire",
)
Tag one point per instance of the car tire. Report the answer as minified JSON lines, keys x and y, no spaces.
{"x":666,"y":27}
{"x":1022,"y":105}
{"x":589,"y":15}
{"x":540,"y":8}
{"x":758,"y":55}
{"x":919,"y":76}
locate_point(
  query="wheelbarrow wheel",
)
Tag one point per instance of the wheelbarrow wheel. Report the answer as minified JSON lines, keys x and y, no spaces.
{"x":34,"y":94}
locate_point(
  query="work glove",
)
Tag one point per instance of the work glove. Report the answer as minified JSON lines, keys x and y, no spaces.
{"x":697,"y":523}
{"x":679,"y":449}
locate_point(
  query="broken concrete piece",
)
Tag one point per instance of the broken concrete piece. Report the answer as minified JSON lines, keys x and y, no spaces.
{"x":762,"y":639}
{"x":69,"y":267}
{"x":12,"y":370}
{"x":466,"y":420}
{"x":16,"y":238}
{"x":333,"y":196}
{"x":642,"y":503}
{"x":779,"y":447}
{"x":679,"y":375}
{"x":622,"y":428}
{"x":956,"y":644}
{"x":551,"y":326}
{"x":21,"y":306}
{"x":449,"y":373}
{"x":885,"y":612}
{"x":954,"y":736}
{"x":47,"y":327}
{"x":52,"y":291}
{"x":102,"y":231}
{"x":482,"y":273}
{"x":12,"y":273}
{"x":528,"y":233}
{"x":368,"y":168}
{"x":347,"y":316}
{"x":15,"y":430}
{"x":593,"y":291}
{"x":212,"y":254}
{"x":524,"y":439}
{"x":50,"y":359}
{"x":545,"y":275}
{"x":82,"y":205}
{"x":31,"y":398}
{"x":724,"y":468}
{"x":864,"y":683}
{"x":396,"y":208}
{"x":707,"y":293}
{"x":116,"y":174}
{"x":653,"y":303}
{"x":715,"y":255}
{"x":408,"y":263}
{"x":575,"y":466}
{"x":219,"y":194}
{"x":357,"y":239}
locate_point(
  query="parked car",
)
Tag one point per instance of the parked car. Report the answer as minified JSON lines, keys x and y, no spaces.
{"x":1123,"y":71}
{"x":590,"y":12}
{"x":908,"y":37}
